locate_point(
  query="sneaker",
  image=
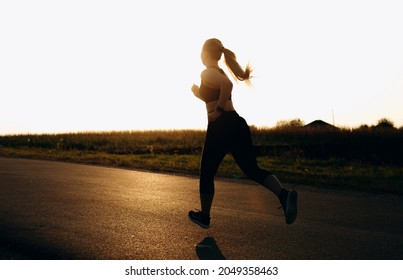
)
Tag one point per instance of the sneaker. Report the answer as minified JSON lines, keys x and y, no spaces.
{"x":199,"y":218}
{"x":288,"y":200}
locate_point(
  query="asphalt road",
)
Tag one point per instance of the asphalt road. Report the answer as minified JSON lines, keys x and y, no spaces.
{"x":54,"y":210}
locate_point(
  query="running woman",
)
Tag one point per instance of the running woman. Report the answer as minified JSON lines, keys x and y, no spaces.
{"x":229,"y":132}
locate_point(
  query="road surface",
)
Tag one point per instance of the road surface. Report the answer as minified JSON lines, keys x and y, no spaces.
{"x":54,"y":210}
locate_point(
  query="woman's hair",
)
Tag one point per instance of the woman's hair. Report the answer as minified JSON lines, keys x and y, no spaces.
{"x":215,"y":49}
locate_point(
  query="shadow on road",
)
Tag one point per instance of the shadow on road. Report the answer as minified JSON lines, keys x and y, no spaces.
{"x":208,"y":249}
{"x":14,"y":246}
{"x":25,"y":250}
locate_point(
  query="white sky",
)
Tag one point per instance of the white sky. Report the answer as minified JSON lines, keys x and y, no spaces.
{"x":68,"y":66}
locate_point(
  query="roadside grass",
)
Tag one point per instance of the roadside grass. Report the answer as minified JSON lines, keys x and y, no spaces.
{"x":363,"y":159}
{"x":322,"y":173}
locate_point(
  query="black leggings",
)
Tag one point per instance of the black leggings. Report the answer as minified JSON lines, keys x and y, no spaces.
{"x":229,"y":133}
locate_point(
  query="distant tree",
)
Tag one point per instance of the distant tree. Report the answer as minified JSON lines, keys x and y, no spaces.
{"x":363,"y":126}
{"x":290,"y":123}
{"x":385,"y":123}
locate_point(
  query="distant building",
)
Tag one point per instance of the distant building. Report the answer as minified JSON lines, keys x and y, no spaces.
{"x":320,"y":124}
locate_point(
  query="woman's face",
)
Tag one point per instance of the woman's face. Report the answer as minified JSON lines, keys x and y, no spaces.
{"x":204,"y":57}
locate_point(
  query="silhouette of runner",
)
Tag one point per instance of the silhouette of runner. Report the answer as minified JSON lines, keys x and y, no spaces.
{"x":229,"y":132}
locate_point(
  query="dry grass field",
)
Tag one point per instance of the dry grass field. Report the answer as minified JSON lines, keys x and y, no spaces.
{"x":365,"y":159}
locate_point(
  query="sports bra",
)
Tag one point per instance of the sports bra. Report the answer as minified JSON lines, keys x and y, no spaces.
{"x":209,"y":94}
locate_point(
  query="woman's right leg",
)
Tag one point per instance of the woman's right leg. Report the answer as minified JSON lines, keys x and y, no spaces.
{"x":211,"y":160}
{"x":214,"y":151}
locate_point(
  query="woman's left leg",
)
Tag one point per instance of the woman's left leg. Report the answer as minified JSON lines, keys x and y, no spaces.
{"x":244,"y":154}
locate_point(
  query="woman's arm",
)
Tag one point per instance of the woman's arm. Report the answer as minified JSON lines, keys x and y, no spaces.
{"x":225,"y":93}
{"x":214,"y":79}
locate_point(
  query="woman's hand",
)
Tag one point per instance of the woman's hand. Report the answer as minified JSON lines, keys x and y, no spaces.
{"x":213,"y":116}
{"x":195,"y":90}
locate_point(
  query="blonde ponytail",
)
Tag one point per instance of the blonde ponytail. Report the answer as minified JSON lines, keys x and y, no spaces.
{"x":215,"y":48}
{"x":235,"y":69}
